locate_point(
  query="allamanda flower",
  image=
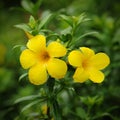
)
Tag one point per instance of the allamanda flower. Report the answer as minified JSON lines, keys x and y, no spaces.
{"x":41,"y":59}
{"x":88,"y":64}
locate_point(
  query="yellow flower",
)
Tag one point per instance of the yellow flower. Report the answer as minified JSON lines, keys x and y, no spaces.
{"x":44,"y":109}
{"x":88,"y":65}
{"x":41,"y":59}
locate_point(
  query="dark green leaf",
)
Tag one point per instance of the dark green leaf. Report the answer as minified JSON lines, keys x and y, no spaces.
{"x":30,"y":105}
{"x":50,"y":84}
{"x":56,"y":111}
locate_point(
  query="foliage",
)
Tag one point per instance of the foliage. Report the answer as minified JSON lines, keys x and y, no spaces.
{"x":68,"y":100}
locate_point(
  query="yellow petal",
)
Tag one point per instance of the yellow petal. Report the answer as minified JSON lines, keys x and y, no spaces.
{"x":27,"y":58}
{"x":44,"y":109}
{"x":87,"y":52}
{"x":100,"y":61}
{"x":56,"y":49}
{"x":37,"y":74}
{"x":56,"y":68}
{"x":37,"y":43}
{"x":80,"y":75}
{"x":75,"y":58}
{"x":96,"y":76}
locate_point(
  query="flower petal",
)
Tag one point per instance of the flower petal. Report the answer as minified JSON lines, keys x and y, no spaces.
{"x":75,"y":58}
{"x":100,"y":61}
{"x":80,"y":75}
{"x":56,"y":49}
{"x":57,"y":68}
{"x":87,"y":52}
{"x":37,"y":74}
{"x":27,"y":58}
{"x":37,"y":43}
{"x":96,"y":76}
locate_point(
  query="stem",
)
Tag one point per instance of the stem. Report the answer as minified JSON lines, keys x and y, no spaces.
{"x":48,"y":113}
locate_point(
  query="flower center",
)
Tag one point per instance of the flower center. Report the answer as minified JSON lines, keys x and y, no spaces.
{"x":44,"y":56}
{"x":85,"y":64}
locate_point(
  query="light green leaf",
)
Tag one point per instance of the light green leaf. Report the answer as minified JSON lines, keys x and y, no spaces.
{"x":22,"y":76}
{"x":67,"y":19}
{"x":37,"y":5}
{"x":76,"y":41}
{"x":82,"y":18}
{"x":45,"y":20}
{"x":16,"y":46}
{"x":32,"y":22}
{"x":86,"y":34}
{"x":81,"y":113}
{"x":27,"y":5}
{"x":23,"y":26}
{"x":31,"y":97}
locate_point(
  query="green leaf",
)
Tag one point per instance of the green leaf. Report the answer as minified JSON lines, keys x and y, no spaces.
{"x":30,"y":105}
{"x":66,"y":37}
{"x":45,"y":20}
{"x":32,"y":22}
{"x":22,"y":76}
{"x":82,"y":18}
{"x":31,"y":97}
{"x":102,"y":114}
{"x":67,"y":19}
{"x":31,"y":7}
{"x":66,"y":31}
{"x":76,"y":41}
{"x":56,"y":111}
{"x":50,"y":84}
{"x":28,"y":6}
{"x":23,"y":26}
{"x":81,"y":113}
{"x":86,"y":34}
{"x":17,"y":46}
{"x":37,"y":5}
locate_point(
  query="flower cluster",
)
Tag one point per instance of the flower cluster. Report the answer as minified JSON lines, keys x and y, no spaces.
{"x":42,"y":60}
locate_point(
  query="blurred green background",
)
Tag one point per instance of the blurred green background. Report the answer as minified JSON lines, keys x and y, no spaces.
{"x":105,"y":18}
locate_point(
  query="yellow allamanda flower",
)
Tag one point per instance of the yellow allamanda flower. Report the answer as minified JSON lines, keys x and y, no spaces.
{"x":42,"y":60}
{"x":88,"y":64}
{"x":44,"y":109}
